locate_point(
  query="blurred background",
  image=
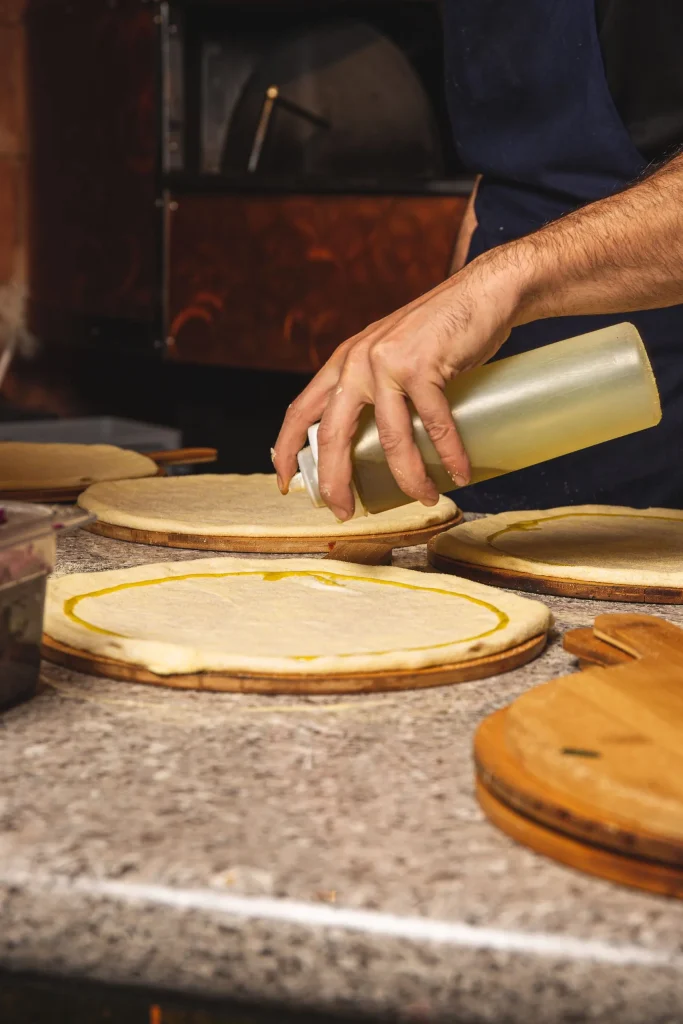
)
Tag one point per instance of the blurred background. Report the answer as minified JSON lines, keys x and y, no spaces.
{"x":200,"y":200}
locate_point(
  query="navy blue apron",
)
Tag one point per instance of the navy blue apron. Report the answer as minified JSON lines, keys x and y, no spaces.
{"x":531,"y":111}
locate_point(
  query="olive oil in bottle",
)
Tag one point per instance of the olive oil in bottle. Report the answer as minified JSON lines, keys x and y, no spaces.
{"x":514,"y":413}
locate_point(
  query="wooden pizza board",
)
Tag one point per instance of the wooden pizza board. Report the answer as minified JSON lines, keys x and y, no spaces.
{"x":588,"y":769}
{"x":272,"y":545}
{"x":513,"y":579}
{"x":632,"y":871}
{"x":607,"y":644}
{"x":440,"y":675}
{"x":58,"y":495}
{"x":589,"y":650}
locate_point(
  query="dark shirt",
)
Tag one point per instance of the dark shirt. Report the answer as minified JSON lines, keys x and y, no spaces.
{"x":642,"y":46}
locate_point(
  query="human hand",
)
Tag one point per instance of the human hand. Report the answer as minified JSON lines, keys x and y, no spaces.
{"x":410,"y":354}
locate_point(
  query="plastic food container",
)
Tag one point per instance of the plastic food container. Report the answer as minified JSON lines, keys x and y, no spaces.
{"x":28,"y":549}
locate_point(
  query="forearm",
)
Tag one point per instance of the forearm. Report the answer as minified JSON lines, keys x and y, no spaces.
{"x":622,"y":253}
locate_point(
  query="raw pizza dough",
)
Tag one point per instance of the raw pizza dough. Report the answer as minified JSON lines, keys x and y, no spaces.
{"x":25,"y":465}
{"x":241,"y":506}
{"x":592,"y":543}
{"x":298,"y":616}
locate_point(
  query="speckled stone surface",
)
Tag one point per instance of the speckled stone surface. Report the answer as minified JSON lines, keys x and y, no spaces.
{"x":316,"y":853}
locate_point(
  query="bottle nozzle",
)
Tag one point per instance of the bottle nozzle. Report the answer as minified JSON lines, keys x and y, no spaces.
{"x":307,"y":477}
{"x":296,"y":484}
{"x":308,"y":474}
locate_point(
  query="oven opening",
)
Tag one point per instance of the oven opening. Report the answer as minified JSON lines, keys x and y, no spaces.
{"x":347,"y":99}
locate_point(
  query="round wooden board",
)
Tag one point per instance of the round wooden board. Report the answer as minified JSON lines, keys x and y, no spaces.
{"x":46,"y":495}
{"x":663,"y":879}
{"x":440,"y":675}
{"x":511,"y":579}
{"x":570,"y":819}
{"x":56,"y":495}
{"x":268,"y":545}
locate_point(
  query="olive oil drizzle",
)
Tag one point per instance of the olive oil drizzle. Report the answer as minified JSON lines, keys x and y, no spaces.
{"x":528,"y":525}
{"x":328,"y":578}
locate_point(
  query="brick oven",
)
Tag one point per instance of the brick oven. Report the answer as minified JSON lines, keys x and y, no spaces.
{"x":235,"y":184}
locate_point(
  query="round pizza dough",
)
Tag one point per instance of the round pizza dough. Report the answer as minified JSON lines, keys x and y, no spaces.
{"x":25,"y":465}
{"x":295,"y":616}
{"x":591,"y":543}
{"x":234,"y":505}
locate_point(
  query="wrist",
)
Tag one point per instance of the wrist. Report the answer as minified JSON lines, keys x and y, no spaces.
{"x":515,"y":281}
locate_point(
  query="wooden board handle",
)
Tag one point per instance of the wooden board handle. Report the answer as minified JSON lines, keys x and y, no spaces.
{"x":640,"y":635}
{"x":183,"y":456}
{"x":585,"y":646}
{"x":362,"y":552}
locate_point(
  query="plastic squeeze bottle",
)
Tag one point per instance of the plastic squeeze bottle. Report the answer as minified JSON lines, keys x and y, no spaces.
{"x":515,"y":413}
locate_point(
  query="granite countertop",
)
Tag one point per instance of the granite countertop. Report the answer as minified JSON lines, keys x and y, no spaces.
{"x":316,"y":853}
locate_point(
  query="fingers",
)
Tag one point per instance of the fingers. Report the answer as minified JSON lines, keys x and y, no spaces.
{"x":306,"y":410}
{"x":301,"y":414}
{"x":395,"y":429}
{"x":336,"y":433}
{"x":400,"y":356}
{"x":433,"y":409}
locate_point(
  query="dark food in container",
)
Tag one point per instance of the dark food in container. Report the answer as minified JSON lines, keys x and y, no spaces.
{"x":27,"y":556}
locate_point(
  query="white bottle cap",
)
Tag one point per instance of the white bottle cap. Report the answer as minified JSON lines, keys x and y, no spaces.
{"x":296,"y":484}
{"x":307,"y":477}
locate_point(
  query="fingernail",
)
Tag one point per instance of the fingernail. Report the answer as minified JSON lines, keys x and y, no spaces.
{"x":459,"y":479}
{"x":281,"y":485}
{"x":341,"y":514}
